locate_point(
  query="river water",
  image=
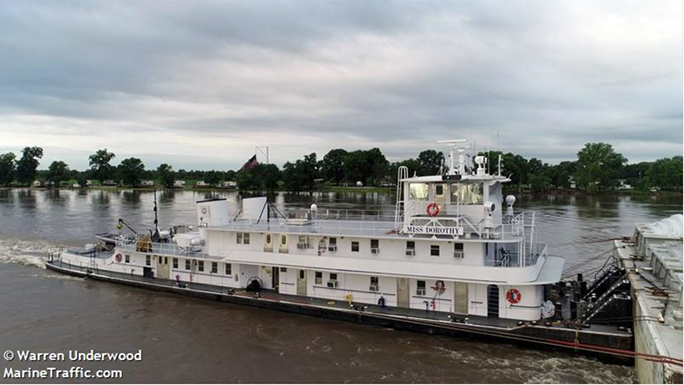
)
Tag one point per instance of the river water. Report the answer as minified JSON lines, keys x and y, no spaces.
{"x":192,"y":340}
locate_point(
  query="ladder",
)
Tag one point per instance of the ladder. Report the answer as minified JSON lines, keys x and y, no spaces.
{"x":402,"y":173}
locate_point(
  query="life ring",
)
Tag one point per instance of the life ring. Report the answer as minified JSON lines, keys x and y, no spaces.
{"x":513,"y":296}
{"x":432,"y":209}
{"x":118,"y":257}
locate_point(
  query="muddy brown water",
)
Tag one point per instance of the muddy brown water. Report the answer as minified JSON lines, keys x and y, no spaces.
{"x":192,"y":340}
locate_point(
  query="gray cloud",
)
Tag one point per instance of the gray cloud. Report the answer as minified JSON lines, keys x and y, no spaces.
{"x":212,"y":79}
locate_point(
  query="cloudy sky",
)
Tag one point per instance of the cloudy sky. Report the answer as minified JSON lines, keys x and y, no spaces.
{"x":200,"y":84}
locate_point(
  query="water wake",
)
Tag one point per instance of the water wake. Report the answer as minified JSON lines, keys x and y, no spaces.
{"x":25,"y":252}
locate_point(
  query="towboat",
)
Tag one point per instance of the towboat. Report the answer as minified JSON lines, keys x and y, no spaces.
{"x":453,"y":260}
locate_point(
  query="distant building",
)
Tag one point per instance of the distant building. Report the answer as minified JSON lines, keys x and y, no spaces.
{"x":89,"y":182}
{"x":623,"y":185}
{"x":202,"y":184}
{"x":573,"y":185}
{"x":37,"y":183}
{"x":147,"y":183}
{"x":179,"y":184}
{"x":109,"y":182}
{"x":229,"y":184}
{"x":359,"y":183}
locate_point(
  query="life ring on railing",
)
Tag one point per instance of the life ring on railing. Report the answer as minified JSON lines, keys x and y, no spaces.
{"x":118,"y":257}
{"x":432,"y":209}
{"x":513,"y":296}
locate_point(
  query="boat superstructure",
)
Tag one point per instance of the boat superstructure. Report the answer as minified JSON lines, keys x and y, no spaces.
{"x":452,"y":248}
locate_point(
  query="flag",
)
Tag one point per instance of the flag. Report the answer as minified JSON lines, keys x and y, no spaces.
{"x":250,"y":163}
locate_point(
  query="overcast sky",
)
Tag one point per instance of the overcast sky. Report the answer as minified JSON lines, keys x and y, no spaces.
{"x":200,"y":84}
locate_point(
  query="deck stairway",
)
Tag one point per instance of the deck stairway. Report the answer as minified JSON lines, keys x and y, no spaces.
{"x":609,"y":306}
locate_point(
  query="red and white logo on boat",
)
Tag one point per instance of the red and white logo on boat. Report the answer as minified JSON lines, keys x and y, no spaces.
{"x":118,"y":257}
{"x":513,"y":296}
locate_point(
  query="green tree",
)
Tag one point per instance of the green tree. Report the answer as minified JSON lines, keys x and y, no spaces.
{"x":27,"y":165}
{"x":165,"y":175}
{"x":58,"y":172}
{"x":332,"y":165}
{"x":212,"y":177}
{"x":431,"y":161}
{"x":131,"y":171}
{"x":300,"y":175}
{"x":8,"y":165}
{"x":100,"y":165}
{"x":597,"y":167}
{"x":665,"y":173}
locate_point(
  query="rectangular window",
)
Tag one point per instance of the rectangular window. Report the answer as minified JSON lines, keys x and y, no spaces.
{"x":246,"y":238}
{"x":128,"y":258}
{"x":466,"y":193}
{"x":332,"y":241}
{"x":200,"y":266}
{"x":148,"y":260}
{"x":434,"y":250}
{"x":374,"y":284}
{"x":238,"y":238}
{"x":355,"y":246}
{"x":410,"y":245}
{"x":375,"y":243}
{"x":458,"y":250}
{"x":333,"y":276}
{"x":420,"y":288}
{"x":166,"y":260}
{"x":283,"y":269}
{"x":418,"y":191}
{"x":175,"y":263}
{"x":439,"y":190}
{"x":214,"y":267}
{"x":319,"y":278}
{"x":229,"y":269}
{"x":187,"y":264}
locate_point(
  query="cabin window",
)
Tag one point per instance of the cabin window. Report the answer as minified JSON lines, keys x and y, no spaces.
{"x":200,"y":266}
{"x":319,"y":278}
{"x":434,"y":250}
{"x":458,"y":250}
{"x":166,"y":260}
{"x":332,"y":241}
{"x":187,"y":264}
{"x":333,"y":276}
{"x":175,"y":263}
{"x":242,"y":238}
{"x":420,"y":288}
{"x":214,"y":267}
{"x":410,"y":245}
{"x":374,"y":283}
{"x":229,"y":269}
{"x":301,"y":274}
{"x":439,"y":190}
{"x":375,"y":244}
{"x":128,"y":258}
{"x":283,"y":240}
{"x":148,"y":260}
{"x":355,"y":246}
{"x":283,"y":269}
{"x":466,"y":193}
{"x":268,"y":238}
{"x":418,"y":191}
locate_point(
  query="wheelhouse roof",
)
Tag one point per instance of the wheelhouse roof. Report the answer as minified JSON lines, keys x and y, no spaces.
{"x":464,"y":178}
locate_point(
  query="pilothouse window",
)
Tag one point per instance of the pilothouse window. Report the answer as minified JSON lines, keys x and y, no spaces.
{"x":418,"y":191}
{"x":466,"y":193}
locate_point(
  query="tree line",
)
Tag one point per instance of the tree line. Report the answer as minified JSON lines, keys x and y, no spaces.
{"x":598,"y":167}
